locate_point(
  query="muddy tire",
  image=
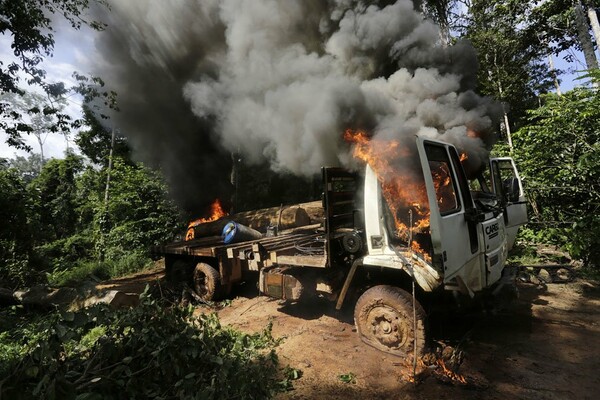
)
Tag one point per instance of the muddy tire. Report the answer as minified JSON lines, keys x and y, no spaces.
{"x":384,"y":319}
{"x":207,"y":282}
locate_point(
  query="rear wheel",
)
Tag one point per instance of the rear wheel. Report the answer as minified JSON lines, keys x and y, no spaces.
{"x":207,"y":282}
{"x":384,"y":319}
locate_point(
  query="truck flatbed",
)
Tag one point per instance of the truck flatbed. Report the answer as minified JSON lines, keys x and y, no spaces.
{"x":300,"y":246}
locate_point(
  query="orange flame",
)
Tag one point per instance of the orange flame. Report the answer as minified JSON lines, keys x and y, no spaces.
{"x":445,"y":371}
{"x":439,"y":370}
{"x":401,"y":191}
{"x":216,"y":212}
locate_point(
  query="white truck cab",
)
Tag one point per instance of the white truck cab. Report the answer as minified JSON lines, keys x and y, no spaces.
{"x":470,"y":233}
{"x":471,"y":230}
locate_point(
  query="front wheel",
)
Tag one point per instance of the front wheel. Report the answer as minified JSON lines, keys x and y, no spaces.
{"x":207,"y":282}
{"x":384,"y":319}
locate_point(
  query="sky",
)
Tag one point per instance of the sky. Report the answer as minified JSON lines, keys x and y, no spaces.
{"x":72,"y":53}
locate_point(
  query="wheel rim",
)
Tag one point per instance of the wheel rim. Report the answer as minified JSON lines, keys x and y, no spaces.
{"x":386,"y":327}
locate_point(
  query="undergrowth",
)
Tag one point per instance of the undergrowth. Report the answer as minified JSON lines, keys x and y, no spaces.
{"x":99,"y":270}
{"x":148,"y":352}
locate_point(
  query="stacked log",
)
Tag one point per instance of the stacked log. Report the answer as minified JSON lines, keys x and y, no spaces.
{"x":284,"y":217}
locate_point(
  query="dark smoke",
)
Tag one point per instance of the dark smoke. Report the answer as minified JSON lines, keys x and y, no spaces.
{"x":280,"y":81}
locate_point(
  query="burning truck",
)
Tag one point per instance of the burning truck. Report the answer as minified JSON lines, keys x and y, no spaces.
{"x":410,"y":224}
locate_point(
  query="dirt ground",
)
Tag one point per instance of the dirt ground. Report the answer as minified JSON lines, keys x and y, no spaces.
{"x":547,"y":346}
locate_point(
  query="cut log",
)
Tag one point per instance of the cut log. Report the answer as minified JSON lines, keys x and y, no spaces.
{"x":39,"y":296}
{"x":113,"y":298}
{"x":46,"y":297}
{"x":286,"y":217}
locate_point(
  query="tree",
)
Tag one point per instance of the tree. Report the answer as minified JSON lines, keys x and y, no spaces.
{"x":441,"y":11}
{"x":511,"y":67}
{"x":139,"y":214}
{"x":593,"y":16}
{"x":29,"y":23}
{"x":54,"y":193}
{"x":16,"y":245}
{"x":95,"y":141}
{"x":563,"y":25}
{"x":28,"y":167}
{"x":583,"y":35}
{"x":559,"y":156}
{"x":43,"y":115}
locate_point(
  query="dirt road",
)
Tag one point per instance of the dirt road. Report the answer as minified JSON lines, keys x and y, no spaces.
{"x":547,"y":347}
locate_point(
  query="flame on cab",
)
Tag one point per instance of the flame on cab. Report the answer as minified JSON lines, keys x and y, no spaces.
{"x":216,"y":212}
{"x":402,"y":191}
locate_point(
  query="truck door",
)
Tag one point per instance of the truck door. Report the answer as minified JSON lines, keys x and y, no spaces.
{"x":507,"y":185}
{"x":454,"y":236}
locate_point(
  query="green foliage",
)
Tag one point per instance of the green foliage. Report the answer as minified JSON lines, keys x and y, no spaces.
{"x":28,"y":167}
{"x":54,"y":195}
{"x":95,"y":141}
{"x":61,"y":224}
{"x":139,"y":214}
{"x":42,"y":115}
{"x":148,"y":352}
{"x":120,"y":232}
{"x":559,"y":157}
{"x":64,"y":253}
{"x":554,"y":22}
{"x":289,"y":375}
{"x":350,"y":377}
{"x":85,"y":270}
{"x":511,"y":59}
{"x":16,"y":243}
{"x":30,"y":26}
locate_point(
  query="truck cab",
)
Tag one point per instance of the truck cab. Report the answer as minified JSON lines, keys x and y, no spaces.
{"x":470,"y":230}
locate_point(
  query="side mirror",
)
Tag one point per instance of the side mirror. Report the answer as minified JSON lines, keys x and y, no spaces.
{"x":511,"y":189}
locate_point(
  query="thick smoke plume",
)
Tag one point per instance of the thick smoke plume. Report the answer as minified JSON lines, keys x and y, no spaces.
{"x":281,"y":80}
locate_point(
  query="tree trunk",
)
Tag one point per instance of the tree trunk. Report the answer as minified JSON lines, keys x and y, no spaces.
{"x":38,"y":296}
{"x":439,"y":11}
{"x":38,"y":136}
{"x":108,"y":170}
{"x":553,"y":74}
{"x":507,"y":127}
{"x":583,"y":34}
{"x":593,"y":16}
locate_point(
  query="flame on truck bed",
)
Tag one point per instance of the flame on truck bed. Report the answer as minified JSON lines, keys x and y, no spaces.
{"x":216,"y":213}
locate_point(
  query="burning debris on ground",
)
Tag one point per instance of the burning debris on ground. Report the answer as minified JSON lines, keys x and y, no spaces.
{"x":442,"y":363}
